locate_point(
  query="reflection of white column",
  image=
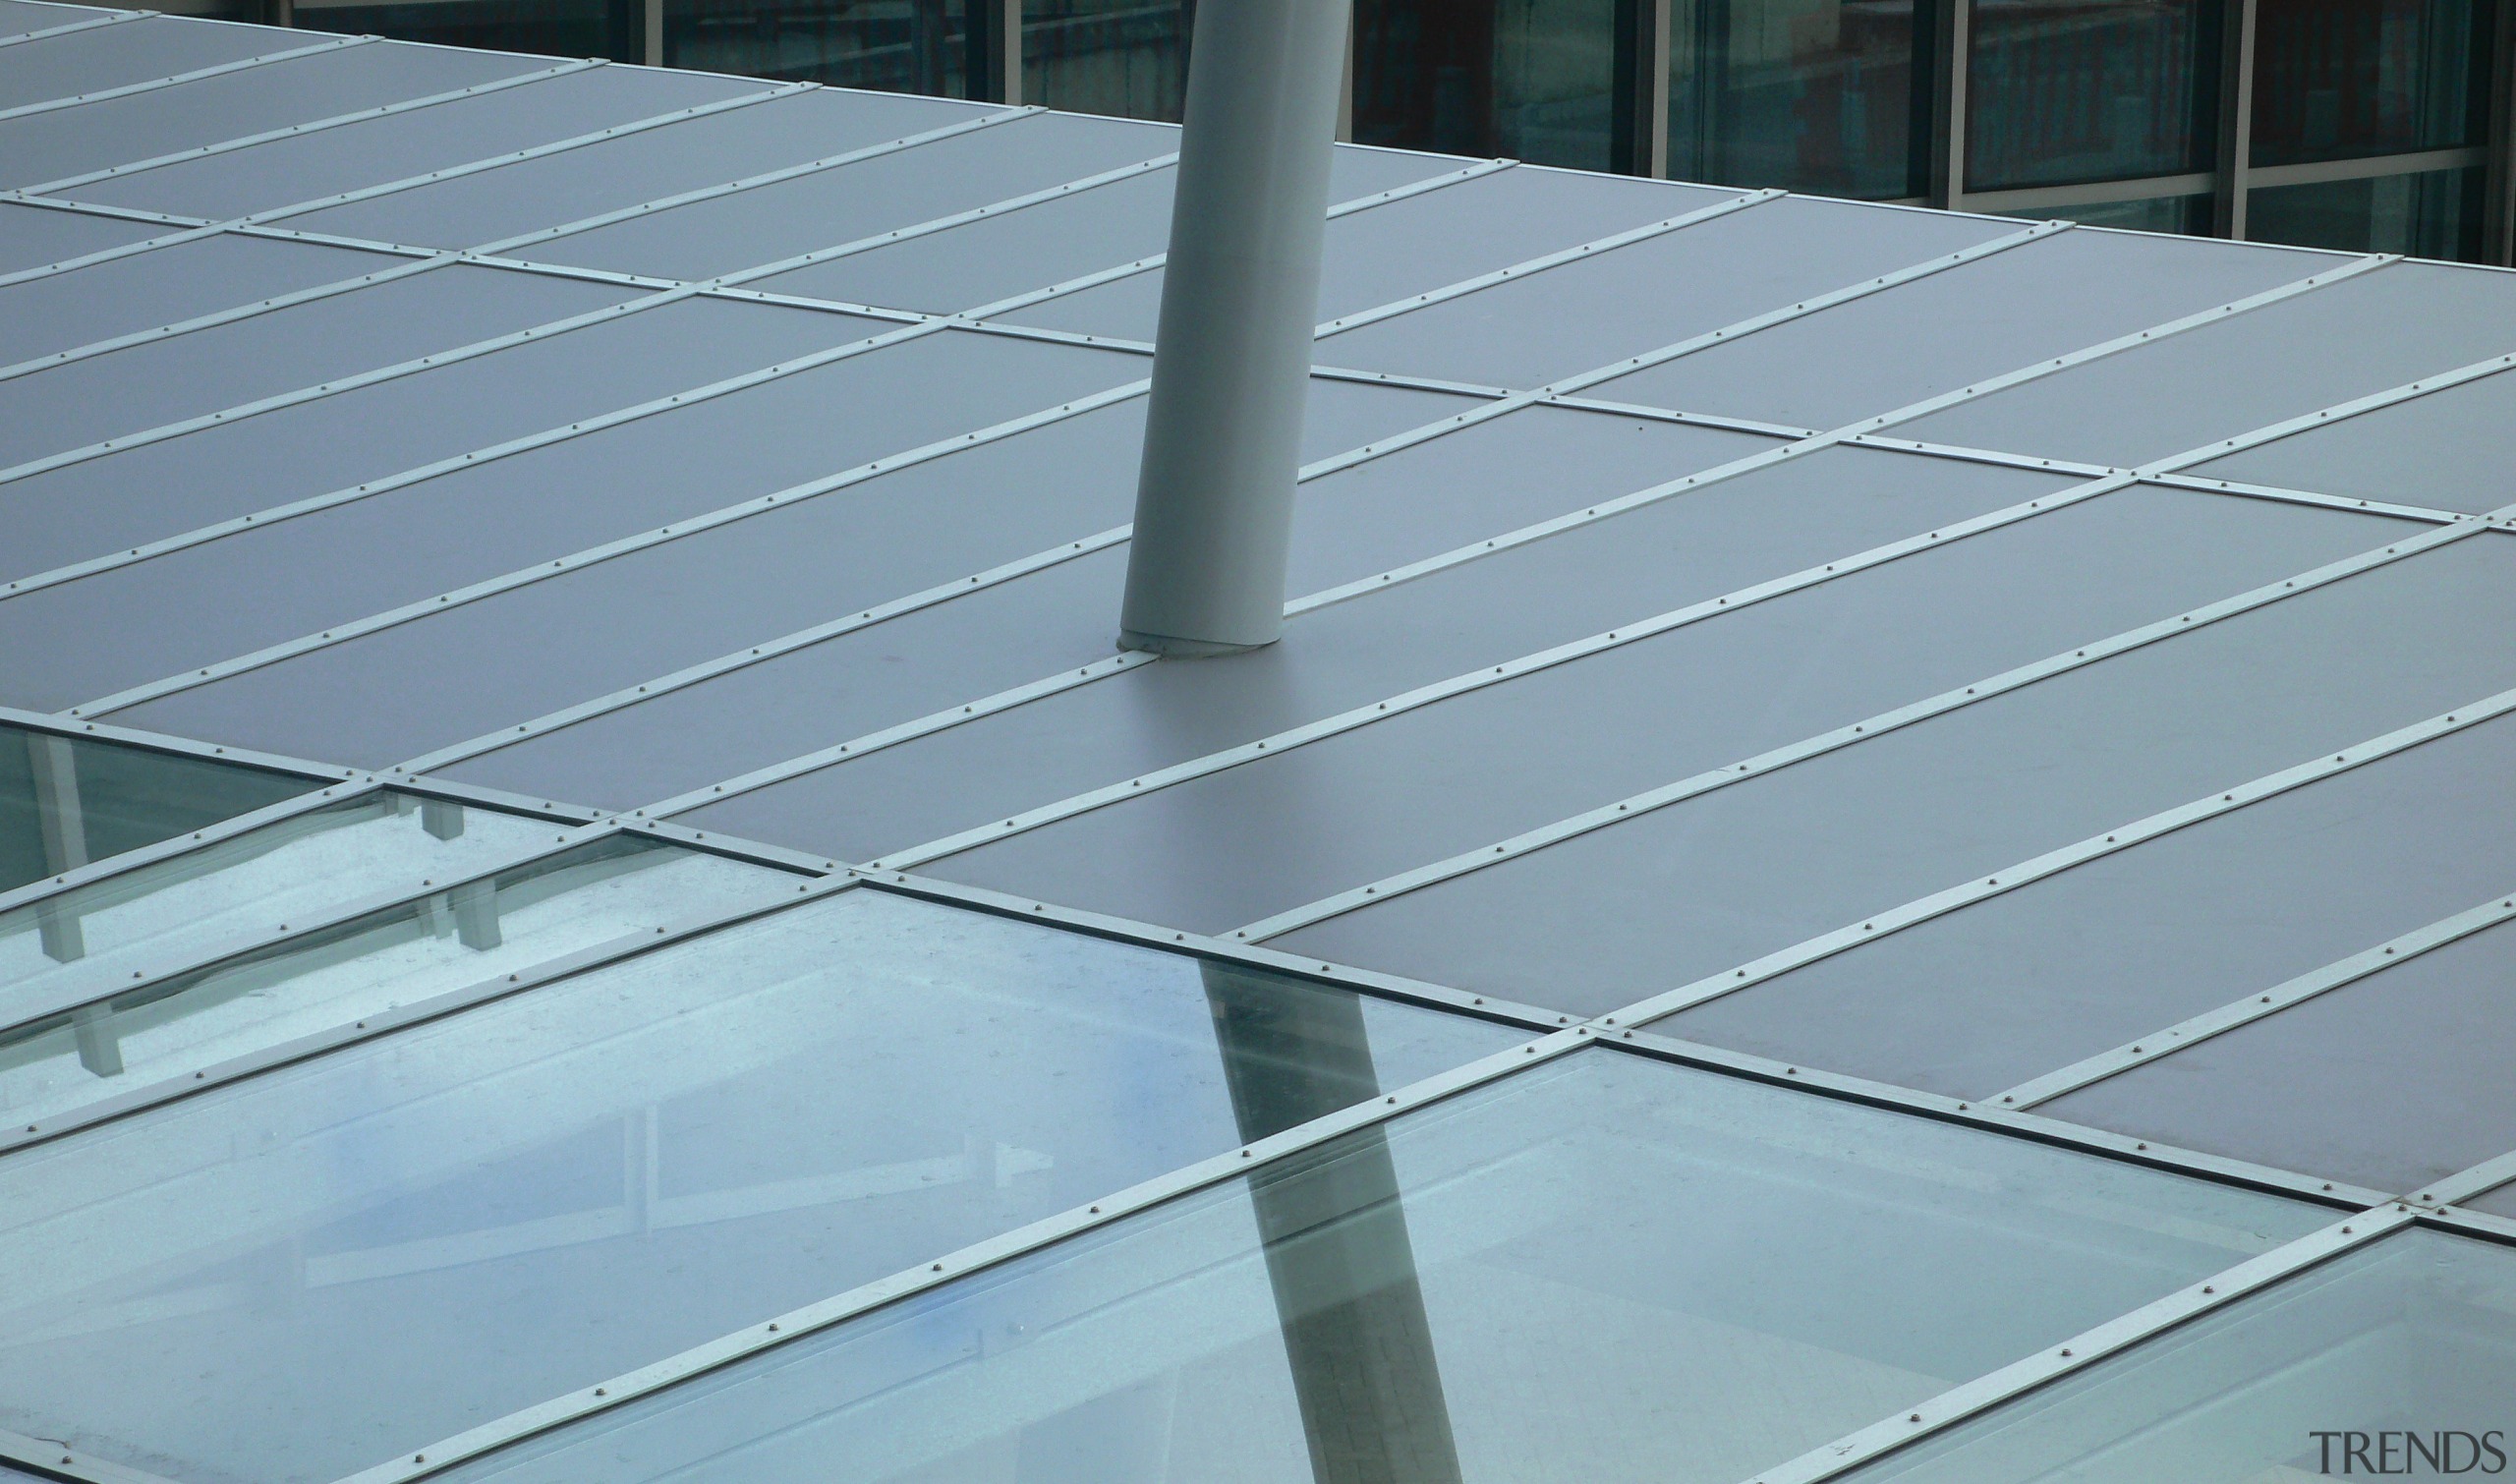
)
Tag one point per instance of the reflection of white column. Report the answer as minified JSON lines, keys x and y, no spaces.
{"x":99,"y":1047}
{"x":1339,"y":1256}
{"x":475,"y":913}
{"x":441,"y":818}
{"x":65,"y":840}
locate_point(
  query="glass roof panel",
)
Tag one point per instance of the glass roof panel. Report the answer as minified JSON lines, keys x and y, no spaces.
{"x":610,"y":891}
{"x":2409,"y":1339}
{"x":177,"y":912}
{"x":1602,"y":1268}
{"x":415,"y":1235}
{"x":136,"y":51}
{"x":66,"y":801}
{"x":162,"y":286}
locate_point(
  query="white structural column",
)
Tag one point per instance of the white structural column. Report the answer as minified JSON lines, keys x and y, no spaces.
{"x":1232,"y":359}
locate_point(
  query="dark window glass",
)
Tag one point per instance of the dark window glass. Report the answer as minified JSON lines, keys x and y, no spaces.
{"x":2345,"y":79}
{"x":543,"y":27}
{"x":2435,"y":213}
{"x":1810,"y":94}
{"x":1532,"y":79}
{"x":2065,"y":90}
{"x":2189,"y":215}
{"x":65,"y":802}
{"x":895,"y":45}
{"x":1123,"y":57}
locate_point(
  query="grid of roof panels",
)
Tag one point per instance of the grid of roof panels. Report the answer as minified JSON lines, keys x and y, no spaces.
{"x":1875,"y":848}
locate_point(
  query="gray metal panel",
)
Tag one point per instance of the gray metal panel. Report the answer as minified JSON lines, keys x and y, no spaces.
{"x":165,"y":287}
{"x":375,"y":152}
{"x":1381,"y":256}
{"x":186,"y":375}
{"x":142,"y":126}
{"x":2453,"y":449}
{"x":1268,"y":836}
{"x":103,"y":505}
{"x":1056,"y":240}
{"x":1652,"y":293}
{"x":829,"y":693}
{"x":2110,"y":951}
{"x":932,"y":523}
{"x":579,"y":183}
{"x":2299,"y":1089}
{"x":1999,"y":314}
{"x":767,"y":224}
{"x":2215,"y":382}
{"x":1495,"y":608}
{"x":2498,"y":1202}
{"x":117,"y":56}
{"x":31,"y":237}
{"x":449,"y":677}
{"x":1698,"y":886}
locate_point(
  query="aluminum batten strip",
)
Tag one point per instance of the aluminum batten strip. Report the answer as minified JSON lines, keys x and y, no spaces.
{"x":243,"y":142}
{"x":49,"y":1458}
{"x":1766,"y":762}
{"x":2122,"y":838}
{"x":435,"y":258}
{"x":2194,"y":1030}
{"x":195,"y":229}
{"x":1483,"y":677}
{"x":2193,"y":1301}
{"x":110,"y":18}
{"x":799,"y":1323}
{"x":378,"y":1023}
{"x":2481,"y":1180}
{"x":921,"y":324}
{"x":48,"y":105}
{"x":2305,"y":498}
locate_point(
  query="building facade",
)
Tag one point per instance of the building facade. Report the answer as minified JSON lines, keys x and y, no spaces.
{"x":2363,"y":125}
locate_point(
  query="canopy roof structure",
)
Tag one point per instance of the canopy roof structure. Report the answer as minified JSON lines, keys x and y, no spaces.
{"x":1877,"y":846}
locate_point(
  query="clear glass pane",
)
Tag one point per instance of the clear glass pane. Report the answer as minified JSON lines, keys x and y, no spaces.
{"x":2059,"y":93}
{"x":472,"y":933}
{"x":2185,"y":215}
{"x":404,"y":1238}
{"x":1604,"y":1268}
{"x":1123,"y":57}
{"x":68,"y":801}
{"x":2402,"y":1354}
{"x":182,"y":910}
{"x":2344,"y":78}
{"x":1532,"y":79}
{"x":2436,"y":213}
{"x":1813,"y":95}
{"x":895,"y":45}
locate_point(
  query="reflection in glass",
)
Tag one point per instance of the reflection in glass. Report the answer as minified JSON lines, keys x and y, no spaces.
{"x":2411,"y":1340}
{"x":161,"y":916}
{"x":1813,"y":95}
{"x":1530,"y":80}
{"x":2066,"y":90}
{"x":2343,"y":79}
{"x":539,"y":28}
{"x":541,"y":1192}
{"x":66,"y":801}
{"x":1122,"y":57}
{"x":2435,"y":213}
{"x":1627,"y":1270}
{"x":1357,"y":1343}
{"x":2185,"y":215}
{"x":923,"y":47}
{"x":469,"y":933}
